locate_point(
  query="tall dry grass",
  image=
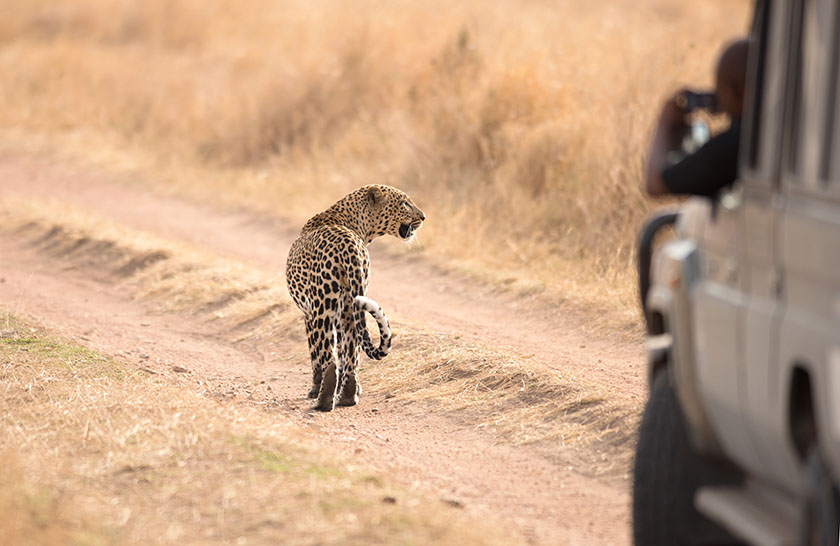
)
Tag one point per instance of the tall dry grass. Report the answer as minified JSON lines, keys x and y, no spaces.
{"x":520,"y":126}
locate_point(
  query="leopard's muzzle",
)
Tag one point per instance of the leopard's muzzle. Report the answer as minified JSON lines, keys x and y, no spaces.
{"x":407,"y":231}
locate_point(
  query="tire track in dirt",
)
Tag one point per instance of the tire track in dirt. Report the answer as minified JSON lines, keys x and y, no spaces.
{"x":545,"y":503}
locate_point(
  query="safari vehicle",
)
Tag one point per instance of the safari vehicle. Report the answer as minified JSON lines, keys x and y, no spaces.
{"x":740,"y":438}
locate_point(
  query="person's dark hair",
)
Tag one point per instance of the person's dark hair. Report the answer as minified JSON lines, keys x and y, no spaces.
{"x":732,"y":66}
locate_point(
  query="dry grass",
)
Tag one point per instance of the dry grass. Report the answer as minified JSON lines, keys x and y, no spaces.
{"x":576,"y":420}
{"x":519,"y":126}
{"x":96,"y":452}
{"x":516,"y":397}
{"x":176,"y":276}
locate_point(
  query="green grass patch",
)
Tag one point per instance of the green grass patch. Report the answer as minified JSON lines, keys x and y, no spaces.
{"x":275,"y":461}
{"x":21,"y":344}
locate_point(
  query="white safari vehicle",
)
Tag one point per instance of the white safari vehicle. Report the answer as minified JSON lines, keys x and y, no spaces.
{"x":740,"y":439}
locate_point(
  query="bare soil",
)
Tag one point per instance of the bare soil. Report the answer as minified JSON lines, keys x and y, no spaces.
{"x":510,"y":486}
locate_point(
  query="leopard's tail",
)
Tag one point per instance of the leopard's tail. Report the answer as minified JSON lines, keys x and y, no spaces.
{"x":366,"y":304}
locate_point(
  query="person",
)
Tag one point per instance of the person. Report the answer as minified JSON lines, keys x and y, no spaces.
{"x":715,"y":165}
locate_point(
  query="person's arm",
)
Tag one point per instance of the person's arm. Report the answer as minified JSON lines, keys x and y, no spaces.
{"x":669,"y":131}
{"x":708,"y":170}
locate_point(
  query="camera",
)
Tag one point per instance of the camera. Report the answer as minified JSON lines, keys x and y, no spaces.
{"x":691,"y":101}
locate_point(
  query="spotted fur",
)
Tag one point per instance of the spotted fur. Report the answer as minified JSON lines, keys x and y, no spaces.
{"x":327,"y":272}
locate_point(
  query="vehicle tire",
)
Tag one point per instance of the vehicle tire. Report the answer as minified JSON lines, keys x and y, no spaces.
{"x":667,"y":474}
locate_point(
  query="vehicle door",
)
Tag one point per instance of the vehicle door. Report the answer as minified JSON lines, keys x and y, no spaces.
{"x":737,"y":300}
{"x":808,"y":333}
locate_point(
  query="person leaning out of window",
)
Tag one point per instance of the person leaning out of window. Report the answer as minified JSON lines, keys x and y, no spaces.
{"x":714,"y":165}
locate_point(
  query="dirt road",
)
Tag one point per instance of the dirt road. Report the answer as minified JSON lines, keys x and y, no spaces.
{"x":516,"y":486}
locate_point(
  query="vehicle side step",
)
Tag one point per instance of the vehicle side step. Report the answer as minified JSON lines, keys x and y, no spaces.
{"x":659,"y":345}
{"x":754,"y":513}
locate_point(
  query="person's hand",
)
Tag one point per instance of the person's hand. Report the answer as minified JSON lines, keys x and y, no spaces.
{"x":667,"y":136}
{"x":673,"y":115}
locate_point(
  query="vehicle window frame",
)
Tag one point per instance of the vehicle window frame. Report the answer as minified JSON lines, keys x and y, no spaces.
{"x":761,"y":123}
{"x":793,"y":127}
{"x":829,"y":168}
{"x":807,"y":165}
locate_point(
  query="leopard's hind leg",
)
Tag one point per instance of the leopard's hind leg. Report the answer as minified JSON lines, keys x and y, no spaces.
{"x":349,"y":353}
{"x":326,"y":360}
{"x":329,"y":311}
{"x":312,"y":338}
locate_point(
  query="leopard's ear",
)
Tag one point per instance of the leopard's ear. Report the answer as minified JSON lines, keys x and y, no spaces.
{"x":375,"y":196}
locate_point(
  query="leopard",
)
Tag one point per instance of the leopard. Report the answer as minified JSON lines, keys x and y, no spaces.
{"x":327,"y":274}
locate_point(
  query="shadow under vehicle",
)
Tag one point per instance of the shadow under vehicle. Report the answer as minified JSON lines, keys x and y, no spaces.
{"x":740,"y":438}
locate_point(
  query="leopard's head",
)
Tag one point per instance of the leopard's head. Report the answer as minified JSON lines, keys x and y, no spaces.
{"x":392,"y":212}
